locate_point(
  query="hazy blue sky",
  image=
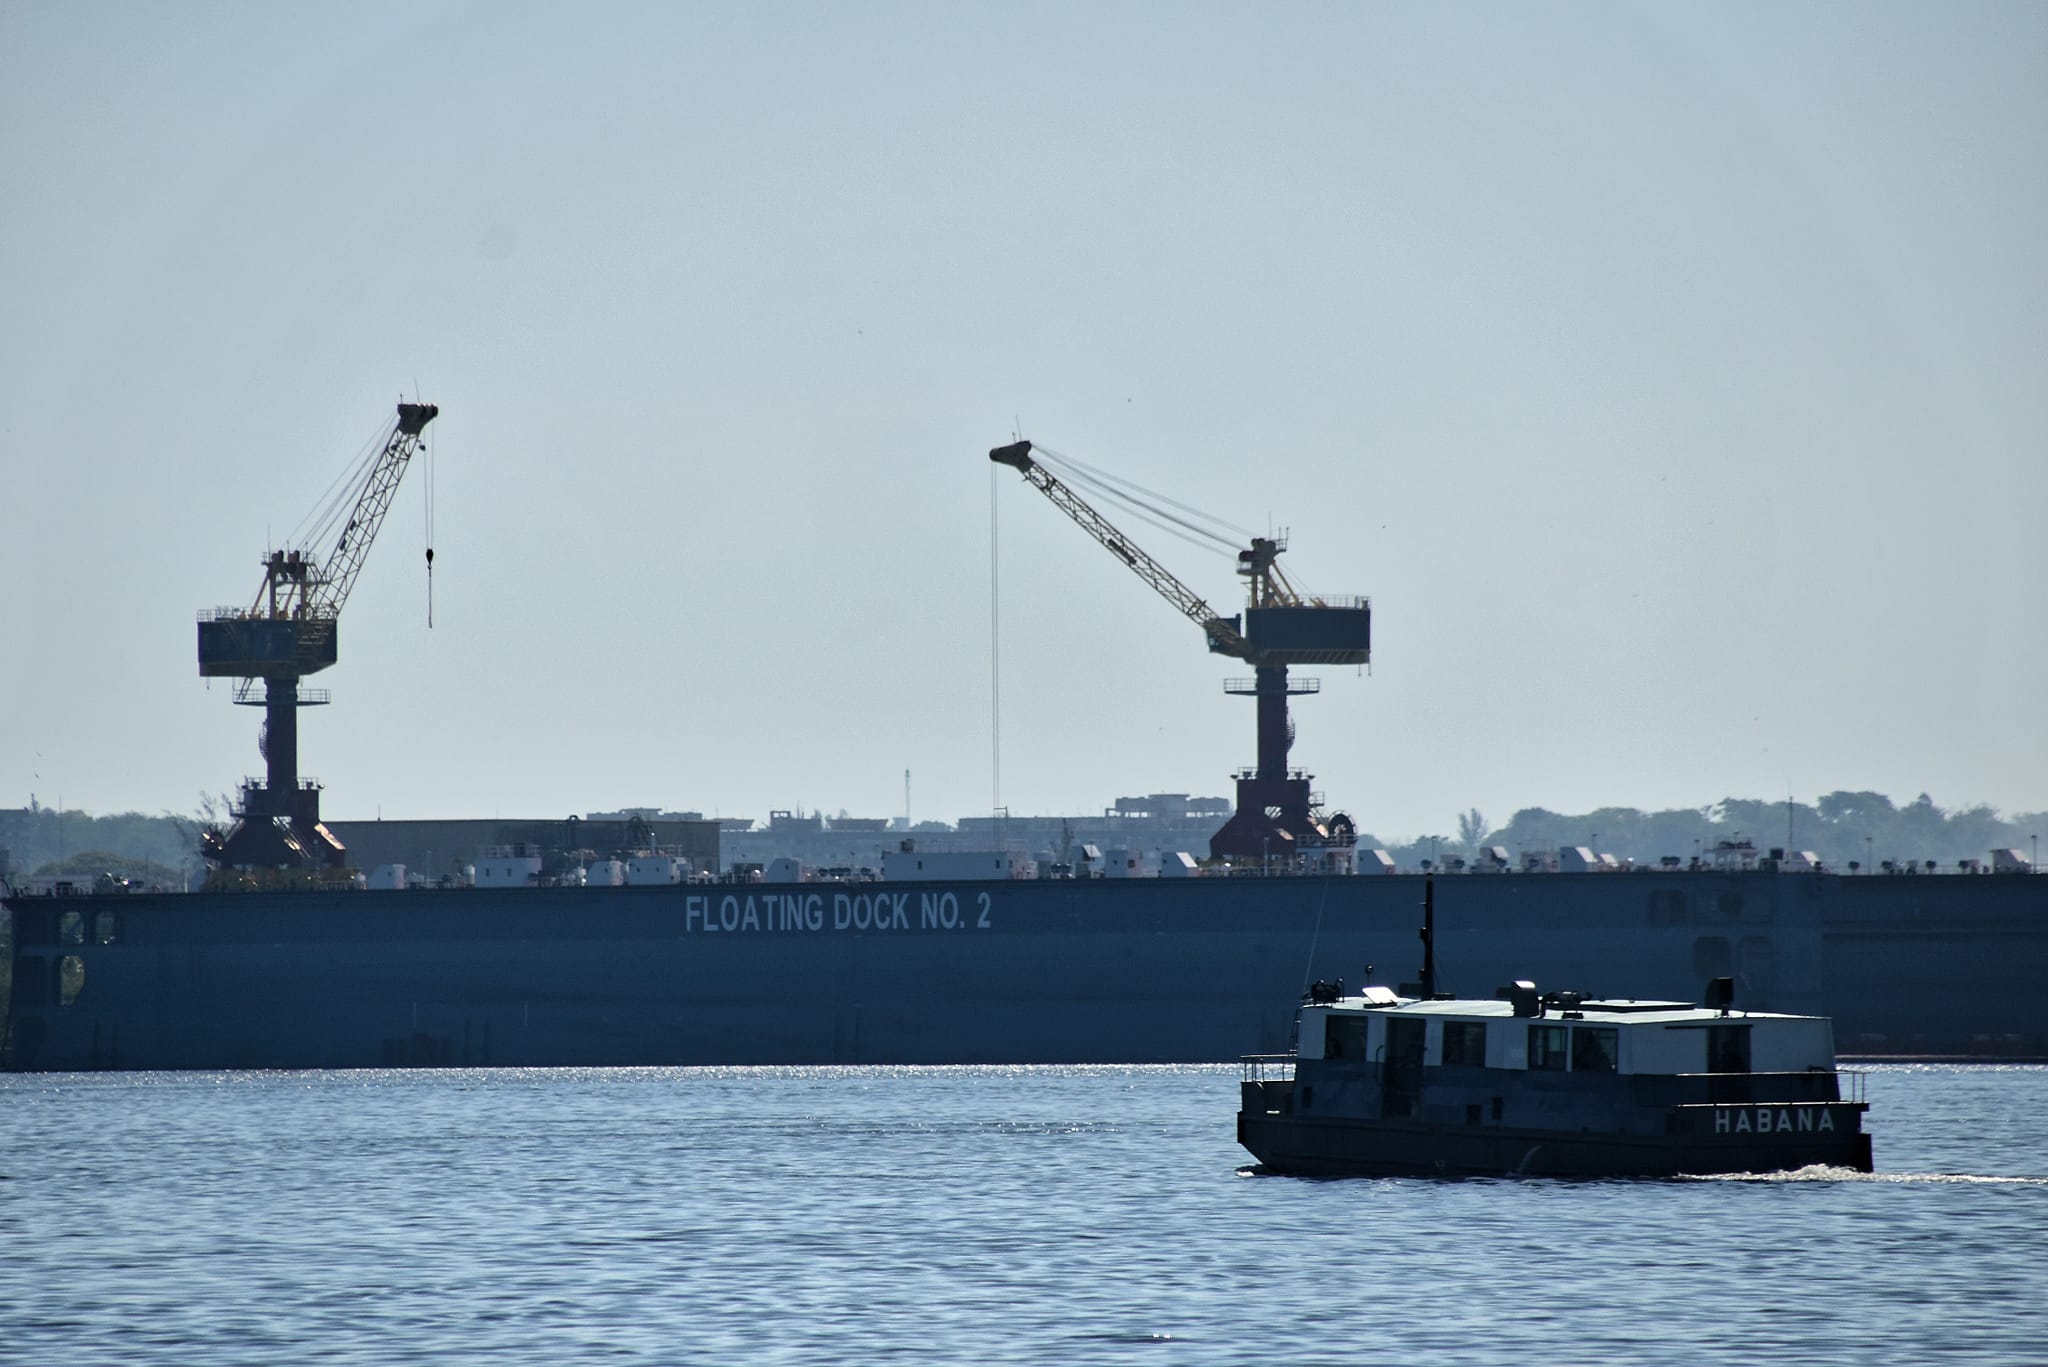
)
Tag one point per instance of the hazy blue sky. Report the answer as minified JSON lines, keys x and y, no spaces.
{"x":1672,"y":377}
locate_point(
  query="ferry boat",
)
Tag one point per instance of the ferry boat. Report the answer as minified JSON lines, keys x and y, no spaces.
{"x":1555,"y":1084}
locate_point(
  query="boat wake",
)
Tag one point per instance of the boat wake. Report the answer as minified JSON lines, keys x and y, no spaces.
{"x":1820,"y":1172}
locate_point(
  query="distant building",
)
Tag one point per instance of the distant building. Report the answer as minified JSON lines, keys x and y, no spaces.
{"x":432,"y":850}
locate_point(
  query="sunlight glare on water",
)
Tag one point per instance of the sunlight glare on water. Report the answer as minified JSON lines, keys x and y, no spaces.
{"x":1001,"y":1215}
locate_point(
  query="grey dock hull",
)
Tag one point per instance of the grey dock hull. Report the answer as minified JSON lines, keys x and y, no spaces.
{"x":1149,"y":970}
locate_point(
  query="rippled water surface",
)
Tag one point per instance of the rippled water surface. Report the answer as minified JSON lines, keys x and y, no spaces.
{"x":1029,"y":1215}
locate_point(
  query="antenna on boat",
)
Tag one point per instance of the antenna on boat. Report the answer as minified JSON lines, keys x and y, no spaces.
{"x":1429,"y":937}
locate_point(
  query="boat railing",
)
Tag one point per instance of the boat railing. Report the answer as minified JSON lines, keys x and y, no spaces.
{"x":1737,"y":1089}
{"x":1267,"y":1067}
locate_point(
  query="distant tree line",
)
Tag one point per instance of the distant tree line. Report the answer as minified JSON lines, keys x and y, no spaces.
{"x":1841,"y":828}
{"x":155,"y":850}
{"x":1863,"y":828}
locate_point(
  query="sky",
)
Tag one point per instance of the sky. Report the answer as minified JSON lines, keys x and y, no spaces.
{"x":1670,"y":376}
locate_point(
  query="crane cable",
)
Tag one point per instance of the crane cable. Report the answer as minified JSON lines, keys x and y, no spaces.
{"x":1101,"y":478}
{"x":995,"y":673}
{"x":1153,"y":509}
{"x":1169,"y":515}
{"x":342,"y":495}
{"x":430,"y":529}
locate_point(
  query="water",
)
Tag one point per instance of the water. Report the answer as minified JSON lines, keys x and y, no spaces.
{"x":1000,"y":1215}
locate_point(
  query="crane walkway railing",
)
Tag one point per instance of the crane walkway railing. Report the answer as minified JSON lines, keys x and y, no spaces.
{"x":1293,"y":687}
{"x":247,"y":694}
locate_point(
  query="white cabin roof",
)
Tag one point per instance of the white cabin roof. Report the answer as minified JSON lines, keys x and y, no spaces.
{"x":1602,"y":1012}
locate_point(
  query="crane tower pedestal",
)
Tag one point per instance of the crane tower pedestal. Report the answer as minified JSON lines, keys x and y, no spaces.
{"x":1276,"y":815}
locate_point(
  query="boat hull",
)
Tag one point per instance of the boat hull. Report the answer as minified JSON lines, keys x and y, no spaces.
{"x":1312,"y":1147}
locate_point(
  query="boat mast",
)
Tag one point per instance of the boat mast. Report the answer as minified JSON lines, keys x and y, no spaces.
{"x":1429,"y":937}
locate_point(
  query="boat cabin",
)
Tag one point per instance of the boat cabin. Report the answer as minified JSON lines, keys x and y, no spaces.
{"x":1561,"y":1082}
{"x":1544,"y":1035}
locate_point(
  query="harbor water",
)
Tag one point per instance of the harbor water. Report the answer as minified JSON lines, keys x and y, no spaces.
{"x":958,"y":1215}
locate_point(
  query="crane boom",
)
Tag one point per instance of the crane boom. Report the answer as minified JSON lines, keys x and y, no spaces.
{"x":1224,"y":637}
{"x":345,"y":562}
{"x":299,"y":585}
{"x":290,"y":628}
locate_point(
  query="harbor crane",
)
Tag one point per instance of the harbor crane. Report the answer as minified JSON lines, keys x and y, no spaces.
{"x":1277,"y":818}
{"x":287,"y":633}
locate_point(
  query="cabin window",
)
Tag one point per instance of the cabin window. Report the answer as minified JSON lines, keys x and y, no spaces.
{"x":1595,"y":1048}
{"x":1344,"y":1036}
{"x":1401,"y":1079}
{"x":71,"y":928}
{"x":1727,"y":1048}
{"x":106,"y":928}
{"x":1465,"y":1044}
{"x":1547,"y":1048}
{"x":1667,"y":907}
